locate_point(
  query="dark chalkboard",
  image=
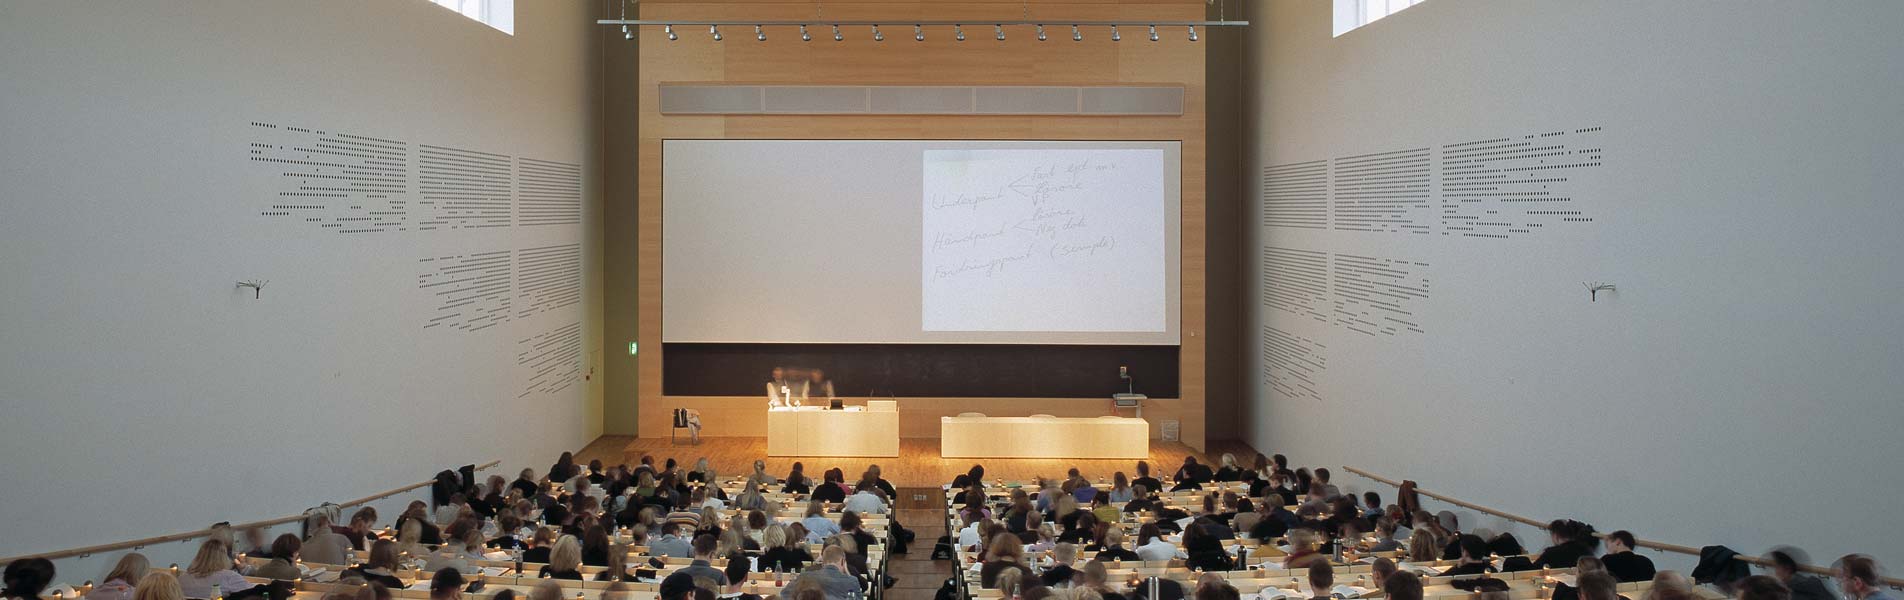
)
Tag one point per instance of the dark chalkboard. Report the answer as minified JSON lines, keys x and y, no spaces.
{"x":924,"y":370}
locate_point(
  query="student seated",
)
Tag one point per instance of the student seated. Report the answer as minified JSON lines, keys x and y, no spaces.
{"x":1858,"y":577}
{"x":212,"y":566}
{"x":1113,"y":548}
{"x":565,"y":560}
{"x":1572,"y":540}
{"x":1622,"y":563}
{"x":25,"y":579}
{"x":784,"y":553}
{"x":284,"y":556}
{"x":1321,"y":580}
{"x":1804,"y":586}
{"x":1474,"y":558}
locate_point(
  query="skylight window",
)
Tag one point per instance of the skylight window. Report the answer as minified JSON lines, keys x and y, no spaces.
{"x":1350,"y":14}
{"x":500,"y":14}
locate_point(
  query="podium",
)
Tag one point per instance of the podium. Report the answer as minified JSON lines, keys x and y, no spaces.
{"x":870,"y":431}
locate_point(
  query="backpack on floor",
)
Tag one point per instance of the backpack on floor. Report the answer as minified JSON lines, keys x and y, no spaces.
{"x":943,"y":549}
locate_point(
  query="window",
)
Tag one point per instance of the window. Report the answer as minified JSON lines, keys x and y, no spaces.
{"x":1350,"y":14}
{"x":500,"y":14}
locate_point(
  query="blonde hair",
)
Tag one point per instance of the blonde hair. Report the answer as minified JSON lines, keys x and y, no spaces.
{"x":1065,"y":552}
{"x":1005,"y":547}
{"x":1065,"y":505}
{"x":567,"y":554}
{"x":212,"y":558}
{"x":131,"y":569}
{"x":1423,"y":545}
{"x":774,"y":537}
{"x":383,"y":555}
{"x":1228,"y":460}
{"x":1302,"y":539}
{"x":845,"y":542}
{"x":410,"y":536}
{"x":546,"y":589}
{"x":157,"y":586}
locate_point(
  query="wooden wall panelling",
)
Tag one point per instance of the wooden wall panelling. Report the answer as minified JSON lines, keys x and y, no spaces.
{"x":900,"y":60}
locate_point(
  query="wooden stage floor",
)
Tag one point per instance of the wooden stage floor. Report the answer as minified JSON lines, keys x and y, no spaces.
{"x":918,"y":463}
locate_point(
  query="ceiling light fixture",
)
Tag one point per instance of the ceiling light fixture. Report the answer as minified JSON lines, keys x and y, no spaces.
{"x":715,"y":30}
{"x":958,"y":32}
{"x":836,"y":34}
{"x":804,"y":36}
{"x":918,"y":35}
{"x":1075,"y":35}
{"x":999,"y":31}
{"x":759,"y":35}
{"x":1193,"y":33}
{"x":671,"y":35}
{"x":1041,"y":33}
{"x":1153,"y":33}
{"x":1114,"y":35}
{"x":877,"y":36}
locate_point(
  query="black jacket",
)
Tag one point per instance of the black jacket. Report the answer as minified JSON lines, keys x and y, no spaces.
{"x":1468,"y":569}
{"x":784,"y":560}
{"x":830,"y":493}
{"x":1716,"y":566}
{"x":1151,"y":484}
{"x":1118,"y":553}
{"x":1563,"y":556}
{"x":1628,"y":567}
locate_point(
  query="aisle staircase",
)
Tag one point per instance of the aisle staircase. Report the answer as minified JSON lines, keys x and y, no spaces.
{"x":921,"y":510}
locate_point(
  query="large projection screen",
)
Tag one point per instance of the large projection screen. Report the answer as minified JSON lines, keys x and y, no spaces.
{"x":929,"y":242}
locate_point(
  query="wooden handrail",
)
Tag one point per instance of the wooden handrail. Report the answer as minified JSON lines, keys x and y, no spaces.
{"x":153,"y":541}
{"x":1892,"y":582}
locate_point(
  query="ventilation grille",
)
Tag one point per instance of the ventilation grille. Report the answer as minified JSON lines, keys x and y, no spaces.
{"x":708,"y":99}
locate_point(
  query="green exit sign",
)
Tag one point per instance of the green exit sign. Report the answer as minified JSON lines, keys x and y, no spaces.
{"x":631,"y":348}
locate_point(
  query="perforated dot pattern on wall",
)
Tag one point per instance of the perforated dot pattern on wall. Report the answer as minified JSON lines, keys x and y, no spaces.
{"x":551,"y":359}
{"x":471,"y":292}
{"x":550,"y":192}
{"x":1383,"y":192}
{"x":1500,"y":188}
{"x":341,"y":182}
{"x":1292,"y":363}
{"x":1296,"y":195}
{"x":1488,"y":188}
{"x":463,"y":188}
{"x":549,"y":277}
{"x":1297,"y":281}
{"x":1379,"y":295}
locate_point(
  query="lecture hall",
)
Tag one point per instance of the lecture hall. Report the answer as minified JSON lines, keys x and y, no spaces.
{"x":951,"y":299}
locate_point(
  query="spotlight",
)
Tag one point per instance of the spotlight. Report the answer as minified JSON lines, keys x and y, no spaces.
{"x":671,"y":35}
{"x":804,"y":36}
{"x":1041,"y":33}
{"x":759,"y":35}
{"x":1153,"y":33}
{"x":715,"y":30}
{"x":1193,"y":33}
{"x":958,"y":32}
{"x":836,"y":34}
{"x":918,"y":35}
{"x":999,"y":31}
{"x":1114,"y":36}
{"x":877,"y":36}
{"x":626,"y":34}
{"x":1075,"y":35}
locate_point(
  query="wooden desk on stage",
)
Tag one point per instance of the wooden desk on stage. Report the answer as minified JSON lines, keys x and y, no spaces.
{"x":1043,"y":437}
{"x":814,"y":431}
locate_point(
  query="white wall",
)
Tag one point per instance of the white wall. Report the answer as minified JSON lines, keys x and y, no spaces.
{"x":1741,"y":387}
{"x":143,"y":392}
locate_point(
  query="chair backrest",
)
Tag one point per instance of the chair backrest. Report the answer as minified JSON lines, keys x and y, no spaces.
{"x":680,"y":417}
